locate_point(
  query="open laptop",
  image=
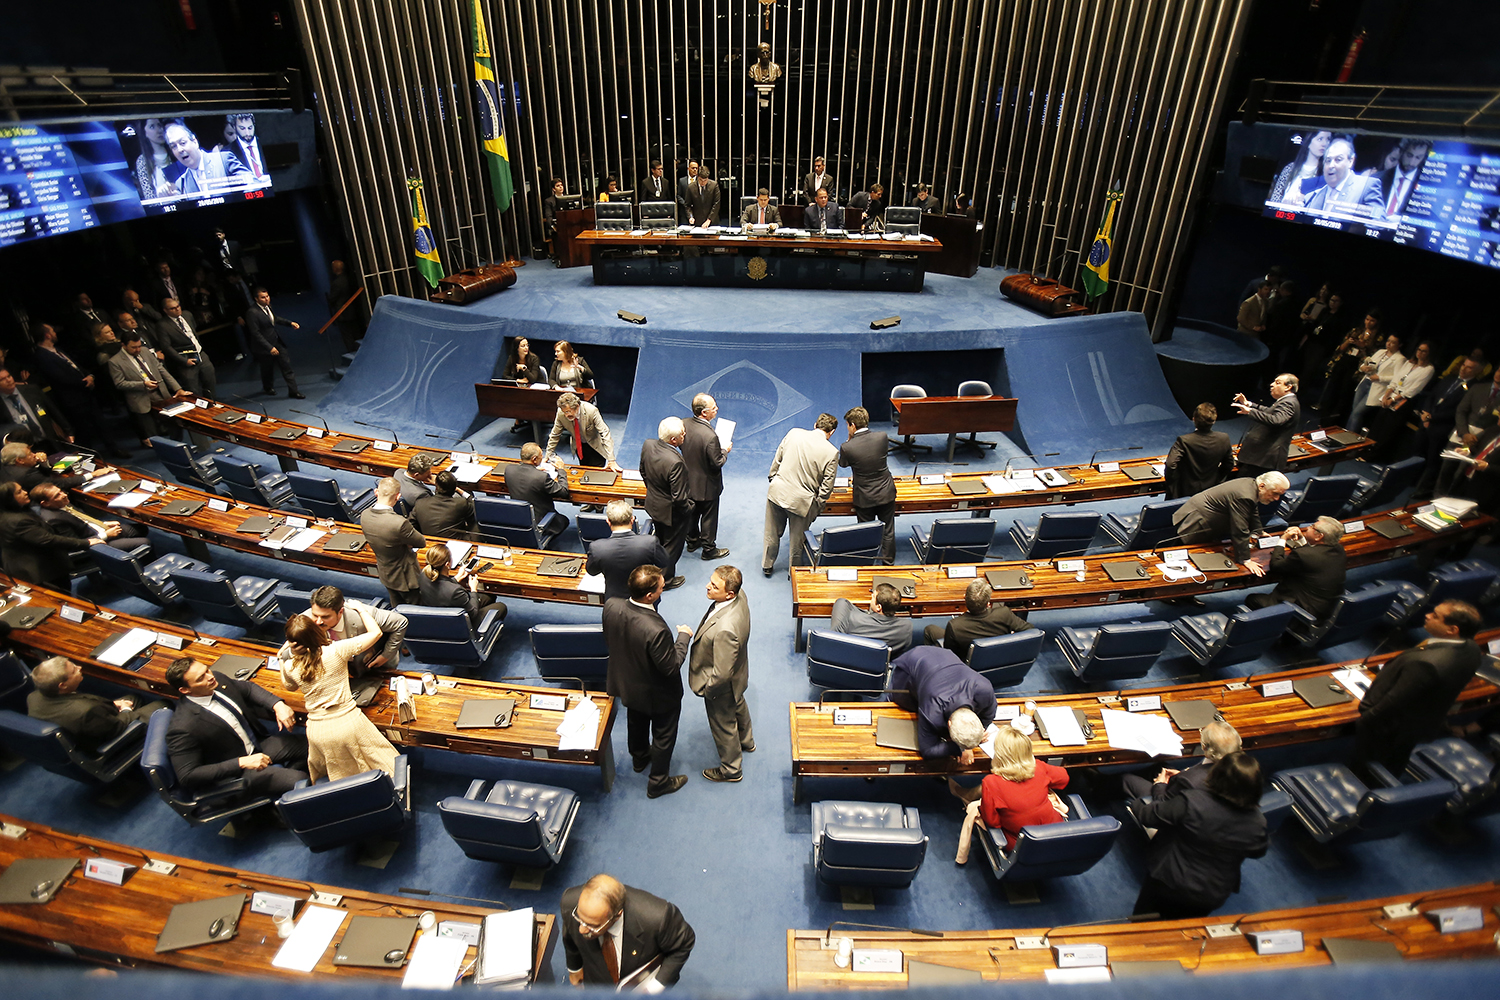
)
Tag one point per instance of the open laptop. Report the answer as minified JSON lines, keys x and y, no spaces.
{"x":897,"y":734}
{"x":204,"y":922}
{"x":485,"y":713}
{"x":378,"y":942}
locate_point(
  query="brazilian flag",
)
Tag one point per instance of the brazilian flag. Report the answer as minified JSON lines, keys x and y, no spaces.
{"x":1096,"y":270}
{"x":429,"y":265}
{"x":487,"y":104}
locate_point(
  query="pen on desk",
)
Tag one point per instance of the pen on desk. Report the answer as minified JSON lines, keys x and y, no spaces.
{"x":465,"y":970}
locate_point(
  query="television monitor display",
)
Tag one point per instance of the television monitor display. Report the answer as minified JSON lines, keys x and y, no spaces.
{"x":61,"y":178}
{"x":180,"y":163}
{"x":1434,"y":194}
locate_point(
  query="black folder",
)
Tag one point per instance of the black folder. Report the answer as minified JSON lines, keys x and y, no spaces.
{"x":1212,"y":562}
{"x":1126,"y":570}
{"x":257,"y":525}
{"x":920,"y":974}
{"x":1389,"y":528}
{"x":229,"y":416}
{"x":1345,"y":438}
{"x":115,"y":488}
{"x":204,"y":922}
{"x":241,"y":668}
{"x":560,"y":566}
{"x":1195,"y":713}
{"x":380,"y":942}
{"x":1356,"y":951}
{"x":485,"y":713}
{"x":1139,"y":473}
{"x":25,"y":616}
{"x":344,"y":542}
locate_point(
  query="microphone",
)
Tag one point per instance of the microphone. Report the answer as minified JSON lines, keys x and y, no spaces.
{"x":1105,"y":451}
{"x":380,"y":428}
{"x":457,"y":441}
{"x":326,"y":428}
{"x":259,"y":406}
{"x":1045,"y":454}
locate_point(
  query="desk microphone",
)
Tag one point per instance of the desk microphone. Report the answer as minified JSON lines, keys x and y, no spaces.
{"x":459,"y":441}
{"x":258,"y":405}
{"x":1105,"y":451}
{"x":380,"y":428}
{"x":1045,"y":454}
{"x":326,"y":428}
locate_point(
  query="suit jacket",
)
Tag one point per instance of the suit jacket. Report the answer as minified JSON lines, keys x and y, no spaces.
{"x":864,"y":455}
{"x":666,"y":477}
{"x":203,"y":748}
{"x":828,"y":217}
{"x":803,"y":471}
{"x":959,"y":634}
{"x":446,"y":592}
{"x":1265,"y":443}
{"x":1309,"y":576}
{"x":703,"y":203}
{"x":616,"y":556}
{"x":527,"y":482}
{"x":684,"y":185}
{"x":158,"y":290}
{"x":1230,"y":509}
{"x":90,"y":719}
{"x":260,"y":331}
{"x":1254,"y":312}
{"x":1411,"y":695}
{"x":126,"y":375}
{"x":1357,"y":195}
{"x":929,"y":205}
{"x":809,"y":188}
{"x":62,"y":372}
{"x":1476,"y":409}
{"x":653,"y":188}
{"x":411,"y":490}
{"x":939,"y":684}
{"x":748,"y":216}
{"x":1197,"y":461}
{"x":392,"y":539}
{"x":175,"y":344}
{"x":645,"y":662}
{"x":32,"y":476}
{"x":1200,"y":842}
{"x":446,"y":517}
{"x":1388,"y":183}
{"x":31,"y":550}
{"x":704,"y":457}
{"x":242,"y":153}
{"x":719,"y":663}
{"x":851,"y":619}
{"x":220,"y":170}
{"x":54,"y":424}
{"x":1443,"y":399}
{"x":653,"y":930}
{"x":392,"y":626}
{"x":595,"y":432}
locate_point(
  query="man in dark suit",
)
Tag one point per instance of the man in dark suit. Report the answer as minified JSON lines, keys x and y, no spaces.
{"x":1264,"y":446}
{"x":1478,"y":412}
{"x":526,"y":480}
{"x":1217,"y":740}
{"x":144,"y":314}
{"x":864,"y":455}
{"x":392,"y":539}
{"x":62,"y":517}
{"x":645,"y":674}
{"x":446,"y":512}
{"x":616,"y":556}
{"x":704,"y":457}
{"x":685,"y":187}
{"x":341,"y":287}
{"x":1396,"y":184}
{"x":163,"y":286}
{"x":25,"y":407}
{"x":267,"y":346}
{"x":1344,"y":191}
{"x":177,"y":335}
{"x":1230,"y":509}
{"x":90,"y":719}
{"x":246,"y":148}
{"x":614,"y":931}
{"x":984,"y":616}
{"x":667,"y":503}
{"x":73,"y":389}
{"x":719,"y":672}
{"x":1308,"y":569}
{"x":762,"y":213}
{"x":217,"y":733}
{"x":1411,"y":695}
{"x":817,"y":179}
{"x":1201,"y":459}
{"x":30,"y":549}
{"x":1438,"y":415}
{"x":83,"y":318}
{"x":954,"y":704}
{"x":19,"y":464}
{"x":226,"y":254}
{"x":655,"y":187}
{"x":822,"y":214}
{"x":703,"y":201}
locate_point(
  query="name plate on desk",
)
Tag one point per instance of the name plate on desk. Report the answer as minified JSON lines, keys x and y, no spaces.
{"x":1276,"y":689}
{"x":1276,"y":942}
{"x":1175,"y":556}
{"x":962,"y":572}
{"x":1454,"y":919}
{"x":1350,"y":527}
{"x":113,"y":872}
{"x":222,"y":506}
{"x":1108,"y":466}
{"x":936,"y":480}
{"x":1069,"y":565}
{"x":71,"y":614}
{"x":1143,"y":703}
{"x":384,"y":446}
{"x":845,"y":574}
{"x":1271,"y":541}
{"x":1080,"y":956}
{"x":254,"y":418}
{"x":169,"y":641}
{"x":315,"y":432}
{"x":273,"y":904}
{"x":851,"y":717}
{"x":1318,"y":435}
{"x":296,"y":522}
{"x":201,"y":404}
{"x":550,"y":702}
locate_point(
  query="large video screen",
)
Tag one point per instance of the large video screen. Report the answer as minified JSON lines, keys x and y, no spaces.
{"x":1438,"y":195}
{"x":63,"y":177}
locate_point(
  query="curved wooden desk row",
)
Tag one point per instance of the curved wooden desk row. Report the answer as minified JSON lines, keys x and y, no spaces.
{"x":212,"y":527}
{"x":937,"y":593}
{"x":821,"y":748}
{"x":532,"y":734}
{"x":912,"y":496}
{"x":117,"y":925}
{"x":1184,"y":944}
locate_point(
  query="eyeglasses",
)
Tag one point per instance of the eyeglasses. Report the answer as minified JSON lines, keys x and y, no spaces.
{"x":594,"y":930}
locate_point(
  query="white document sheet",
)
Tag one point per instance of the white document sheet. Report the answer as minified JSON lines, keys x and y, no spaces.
{"x":1062,"y":727}
{"x":505,"y":948}
{"x":132,"y":499}
{"x":472,"y":472}
{"x":434,"y":963}
{"x":591,"y":583}
{"x":725,"y":429}
{"x":579,"y":728}
{"x":1149,"y":734}
{"x":1354,"y":680}
{"x":310,"y":938}
{"x":127,"y":646}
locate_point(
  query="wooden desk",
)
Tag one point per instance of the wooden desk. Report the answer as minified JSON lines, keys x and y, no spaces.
{"x":531,"y":736}
{"x":961,"y":238}
{"x":813,"y":593}
{"x":571,"y":222}
{"x":993,"y":954}
{"x":822,"y":749}
{"x":117,"y":925}
{"x":522,"y":402}
{"x":953,"y":415}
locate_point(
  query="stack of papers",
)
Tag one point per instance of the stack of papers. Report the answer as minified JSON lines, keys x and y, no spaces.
{"x":1433,"y":520}
{"x":1455,"y":506}
{"x":1152,"y":735}
{"x":473,"y":472}
{"x":1354,"y":680}
{"x":434,"y":963}
{"x":125,"y":648}
{"x":591,"y":583}
{"x":180,"y":408}
{"x":310,"y":938}
{"x":1062,"y":727}
{"x":1002,"y":486}
{"x":132,"y":499}
{"x":505,"y":950}
{"x":94,"y":484}
{"x":579,"y":728}
{"x":300,"y":542}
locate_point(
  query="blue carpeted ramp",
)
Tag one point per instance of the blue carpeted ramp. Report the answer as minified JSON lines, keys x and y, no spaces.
{"x":416,"y":370}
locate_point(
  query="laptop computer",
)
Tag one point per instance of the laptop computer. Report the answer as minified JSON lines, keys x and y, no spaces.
{"x":1078,"y":713}
{"x":1125,"y":571}
{"x":379,"y":942}
{"x":1345,"y":438}
{"x":1295,"y":450}
{"x":25,"y":616}
{"x":35,"y":880}
{"x":344,"y":542}
{"x":1192,"y":714}
{"x":349,"y":446}
{"x":1354,"y":951}
{"x":1321,"y":691}
{"x":1139,"y":473}
{"x":966,"y":488}
{"x":241,"y":668}
{"x":1212,"y":562}
{"x":182,"y":508}
{"x":1140,"y":970}
{"x":905,"y":585}
{"x":228,"y":417}
{"x":897,"y":734}
{"x":115,"y":488}
{"x":485,"y":713}
{"x":203,"y":922}
{"x":929,"y":974}
{"x":560,"y":566}
{"x":288,"y":433}
{"x":256,"y":525}
{"x":1008,"y":579}
{"x":1389,"y":528}
{"x":599,"y":477}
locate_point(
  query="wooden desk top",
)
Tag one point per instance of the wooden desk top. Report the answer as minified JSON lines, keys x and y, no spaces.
{"x":671,"y":238}
{"x":821,"y":748}
{"x":954,"y":414}
{"x":813,"y":593}
{"x":117,"y":925}
{"x":993,"y":953}
{"x":532,"y":734}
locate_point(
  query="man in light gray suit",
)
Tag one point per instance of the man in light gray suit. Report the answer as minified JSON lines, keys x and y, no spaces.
{"x":142,"y":380}
{"x":719,"y":671}
{"x":801,"y":475}
{"x":392,"y":538}
{"x":581,"y":421}
{"x":341,"y":619}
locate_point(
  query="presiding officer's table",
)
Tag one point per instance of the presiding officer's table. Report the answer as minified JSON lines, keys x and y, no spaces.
{"x":117,"y":925}
{"x":889,"y":263}
{"x":523,"y":402}
{"x":953,"y":415}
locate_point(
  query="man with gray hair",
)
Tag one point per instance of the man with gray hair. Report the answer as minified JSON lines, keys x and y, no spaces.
{"x":802,"y":475}
{"x":984,"y":617}
{"x":392,"y":538}
{"x":1309,"y":569}
{"x":665,"y":475}
{"x":616,"y":556}
{"x":581,"y":421}
{"x":954,"y":704}
{"x":705,"y":456}
{"x":92,"y":720}
{"x":1230,"y":510}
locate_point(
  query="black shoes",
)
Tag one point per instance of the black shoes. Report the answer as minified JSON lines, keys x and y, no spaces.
{"x":666,"y":786}
{"x":719,"y":774}
{"x":675,"y":582}
{"x":694,"y":546}
{"x":297,"y":395}
{"x":640,"y":765}
{"x":767,"y":572}
{"x":711,"y":554}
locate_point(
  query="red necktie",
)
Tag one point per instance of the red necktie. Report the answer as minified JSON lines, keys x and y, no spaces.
{"x":1396,"y":197}
{"x":611,"y":960}
{"x":254,"y":160}
{"x":578,"y":444}
{"x":1483,"y":456}
{"x":762,"y":216}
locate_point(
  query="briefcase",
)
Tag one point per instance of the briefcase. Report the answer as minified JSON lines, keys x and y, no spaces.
{"x":473,"y":284}
{"x":1045,"y":295}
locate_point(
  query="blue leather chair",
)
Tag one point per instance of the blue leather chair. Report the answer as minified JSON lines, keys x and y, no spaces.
{"x":847,"y":662}
{"x":1113,"y":652}
{"x":443,"y":635}
{"x":908,"y":443}
{"x":152,"y":582}
{"x":215,"y":803}
{"x":570,"y":651}
{"x":1356,"y":613}
{"x":1220,"y":640}
{"x":591,"y":528}
{"x":502,"y":519}
{"x":189,"y":469}
{"x":291,"y":601}
{"x":325,"y":498}
{"x":360,"y":807}
{"x":1335,"y":805}
{"x":1051,"y":850}
{"x":613,"y":215}
{"x":867,"y":843}
{"x":518,"y":823}
{"x":1061,"y":534}
{"x":1146,"y":530}
{"x":49,"y":745}
{"x":845,"y":545}
{"x":1319,"y":496}
{"x":248,"y":484}
{"x":954,"y":540}
{"x":15,"y":683}
{"x":971,"y":387}
{"x":1275,"y":806}
{"x":245,"y":601}
{"x":1474,"y":776}
{"x":1449,"y":582}
{"x":1386,"y":482}
{"x":1003,"y":660}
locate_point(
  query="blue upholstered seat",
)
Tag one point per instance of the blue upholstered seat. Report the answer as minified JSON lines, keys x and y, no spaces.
{"x":49,"y":745}
{"x":954,"y":540}
{"x":1469,"y":581}
{"x":1333,"y":804}
{"x":570,"y":651}
{"x":326,"y":498}
{"x":360,"y":807}
{"x":206,"y":804}
{"x":1057,"y":534}
{"x":1051,"y":850}
{"x":845,"y":545}
{"x":443,"y":635}
{"x":1474,"y":775}
{"x":1113,"y":652}
{"x":519,"y":822}
{"x":245,"y":601}
{"x":867,"y":843}
{"x":1386,"y":482}
{"x":1003,"y":660}
{"x":502,"y":519}
{"x":1220,"y":640}
{"x":189,"y":469}
{"x":150,"y":583}
{"x":1357,"y":613}
{"x":847,"y":662}
{"x":15,"y":682}
{"x":248,"y":484}
{"x":1146,"y":530}
{"x":1318,"y":497}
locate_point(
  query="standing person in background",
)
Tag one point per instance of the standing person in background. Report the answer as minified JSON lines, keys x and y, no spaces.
{"x":341,"y":287}
{"x":392,"y":538}
{"x":864,"y":455}
{"x":1201,"y":459}
{"x":704,"y":457}
{"x":1255,"y":312}
{"x":268,"y":347}
{"x":582,"y":422}
{"x":801,"y":476}
{"x":178,"y":336}
{"x":817,"y":179}
{"x":1264,"y":446}
{"x":719,"y":672}
{"x":665,"y":475}
{"x":1379,"y":370}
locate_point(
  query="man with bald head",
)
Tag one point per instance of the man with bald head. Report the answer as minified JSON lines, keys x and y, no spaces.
{"x":613,"y":931}
{"x":665,"y":475}
{"x":704,"y":457}
{"x":392,"y":538}
{"x":92,"y":720}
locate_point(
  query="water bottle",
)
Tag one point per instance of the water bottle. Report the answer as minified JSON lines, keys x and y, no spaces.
{"x":507,"y":557}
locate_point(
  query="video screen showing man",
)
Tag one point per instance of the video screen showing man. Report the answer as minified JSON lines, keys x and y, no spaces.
{"x":1368,"y":178}
{"x":206,"y":159}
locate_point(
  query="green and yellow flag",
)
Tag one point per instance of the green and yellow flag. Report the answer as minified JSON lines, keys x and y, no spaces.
{"x":1096,"y":269}
{"x":424,"y":244}
{"x":487,"y":106}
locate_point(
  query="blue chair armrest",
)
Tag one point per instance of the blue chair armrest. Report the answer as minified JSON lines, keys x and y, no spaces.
{"x":489,"y":621}
{"x":304,"y":783}
{"x":476,"y":788}
{"x":1381,"y":774}
{"x":1300,"y":612}
{"x":402,"y":774}
{"x":135,"y":732}
{"x":220,"y":791}
{"x":1076,"y":808}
